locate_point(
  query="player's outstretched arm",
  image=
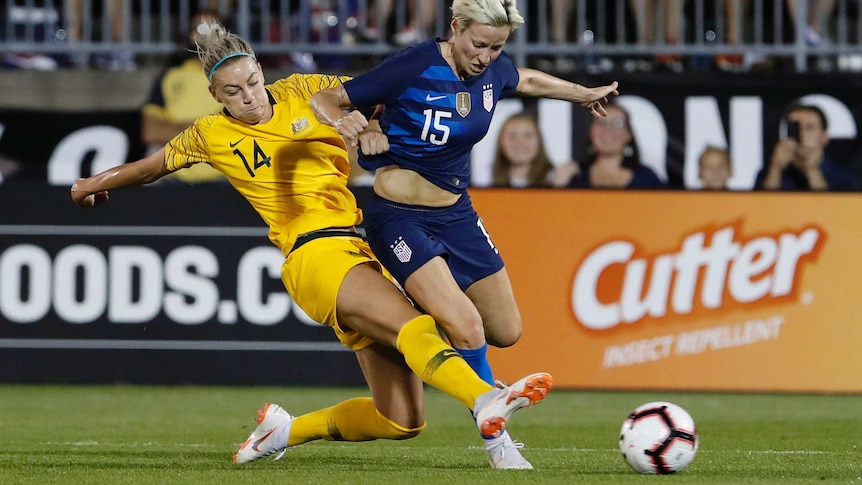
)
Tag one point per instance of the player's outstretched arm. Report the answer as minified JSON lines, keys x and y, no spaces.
{"x":328,"y":106}
{"x":540,"y":84}
{"x":92,"y":191}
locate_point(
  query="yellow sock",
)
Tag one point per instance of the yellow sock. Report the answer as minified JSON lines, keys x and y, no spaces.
{"x":439,"y":364}
{"x":351,"y":420}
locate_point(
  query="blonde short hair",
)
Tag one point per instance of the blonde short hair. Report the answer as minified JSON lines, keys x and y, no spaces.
{"x":496,"y":13}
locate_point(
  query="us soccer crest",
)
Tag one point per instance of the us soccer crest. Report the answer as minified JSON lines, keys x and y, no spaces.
{"x":488,"y":97}
{"x":462,"y":104}
{"x":402,"y":250}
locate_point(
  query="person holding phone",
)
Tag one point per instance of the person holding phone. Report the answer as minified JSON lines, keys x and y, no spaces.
{"x":799,"y":160}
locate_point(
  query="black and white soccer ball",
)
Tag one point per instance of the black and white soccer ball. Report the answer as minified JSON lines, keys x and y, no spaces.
{"x":659,"y":438}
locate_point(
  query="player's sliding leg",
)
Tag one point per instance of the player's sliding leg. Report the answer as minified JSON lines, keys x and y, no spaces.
{"x":356,"y":419}
{"x":493,"y":410}
{"x":375,"y":308}
{"x":494,"y":300}
{"x":490,"y":304}
{"x":503,"y":453}
{"x":424,"y":351}
{"x":395,"y":411}
{"x":273,"y":429}
{"x":438,"y":364}
{"x":360,"y":420}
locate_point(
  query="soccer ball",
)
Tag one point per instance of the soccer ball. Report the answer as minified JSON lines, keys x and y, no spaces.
{"x":659,"y":438}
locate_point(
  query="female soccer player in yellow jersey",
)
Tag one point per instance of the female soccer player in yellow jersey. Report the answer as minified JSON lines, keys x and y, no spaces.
{"x":293,"y":170}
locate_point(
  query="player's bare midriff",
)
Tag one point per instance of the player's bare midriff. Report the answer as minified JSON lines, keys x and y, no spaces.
{"x":408,"y":187}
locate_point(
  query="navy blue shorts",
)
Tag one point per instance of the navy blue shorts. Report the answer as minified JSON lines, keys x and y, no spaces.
{"x":404,"y":237}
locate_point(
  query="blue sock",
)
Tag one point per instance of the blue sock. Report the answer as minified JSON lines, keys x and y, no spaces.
{"x":478,"y":361}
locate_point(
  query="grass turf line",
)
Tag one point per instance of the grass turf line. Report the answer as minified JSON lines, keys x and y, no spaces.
{"x":152,"y":435}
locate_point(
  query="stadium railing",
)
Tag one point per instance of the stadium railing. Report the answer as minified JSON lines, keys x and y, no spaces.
{"x":340,"y":27}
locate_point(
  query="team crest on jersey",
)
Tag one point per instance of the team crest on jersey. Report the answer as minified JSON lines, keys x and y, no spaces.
{"x":488,"y":97}
{"x":402,"y":250}
{"x":299,"y":125}
{"x":462,"y":104}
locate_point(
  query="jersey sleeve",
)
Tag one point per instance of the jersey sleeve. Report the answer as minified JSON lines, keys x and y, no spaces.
{"x":190,"y":146}
{"x":382,"y":84}
{"x":508,"y":73}
{"x":302,"y":86}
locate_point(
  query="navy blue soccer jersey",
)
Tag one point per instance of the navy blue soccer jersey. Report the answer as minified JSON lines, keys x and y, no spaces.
{"x":432,"y":118}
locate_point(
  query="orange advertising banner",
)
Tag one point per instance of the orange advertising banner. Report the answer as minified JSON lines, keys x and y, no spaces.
{"x":682,"y":290}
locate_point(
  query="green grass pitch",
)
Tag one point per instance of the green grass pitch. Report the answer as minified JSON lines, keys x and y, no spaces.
{"x":155,"y":435}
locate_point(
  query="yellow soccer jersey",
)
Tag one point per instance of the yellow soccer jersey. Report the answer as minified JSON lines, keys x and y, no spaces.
{"x":292,"y":169}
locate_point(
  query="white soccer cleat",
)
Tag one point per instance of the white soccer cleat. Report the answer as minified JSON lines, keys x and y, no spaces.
{"x":504,"y":454}
{"x":493,"y":408}
{"x":269,"y":437}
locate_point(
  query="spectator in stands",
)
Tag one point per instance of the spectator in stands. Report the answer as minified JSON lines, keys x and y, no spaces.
{"x":817,"y":16}
{"x":222,"y":8}
{"x":818,"y":12}
{"x":714,"y":168}
{"x":799,"y":160}
{"x":521,"y":161}
{"x":17,"y":19}
{"x":563,"y":31}
{"x":561,"y":13}
{"x":735,"y":12}
{"x":613,"y":158}
{"x":645,"y":12}
{"x":419,"y":25}
{"x":118,"y":10}
{"x":178,"y":97}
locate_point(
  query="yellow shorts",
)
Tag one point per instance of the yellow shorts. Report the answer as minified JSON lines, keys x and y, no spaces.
{"x":313,"y":273}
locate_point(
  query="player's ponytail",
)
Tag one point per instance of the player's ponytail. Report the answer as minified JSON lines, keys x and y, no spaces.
{"x":215,"y":45}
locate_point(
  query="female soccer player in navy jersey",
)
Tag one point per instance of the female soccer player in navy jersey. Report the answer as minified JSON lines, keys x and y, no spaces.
{"x":293,"y":170}
{"x":438,"y":98}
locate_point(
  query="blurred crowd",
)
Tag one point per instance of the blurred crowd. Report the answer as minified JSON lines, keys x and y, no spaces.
{"x":565,"y":35}
{"x":733,"y":34}
{"x":799,"y":161}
